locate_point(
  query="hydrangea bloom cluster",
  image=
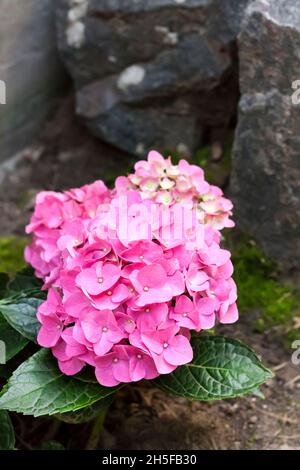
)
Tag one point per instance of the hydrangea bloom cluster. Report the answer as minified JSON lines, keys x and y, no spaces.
{"x":165,"y":183}
{"x":122,"y":301}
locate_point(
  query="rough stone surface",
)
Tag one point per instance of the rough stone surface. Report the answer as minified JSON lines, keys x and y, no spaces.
{"x":30,"y":68}
{"x":266,"y":160}
{"x":159,"y":73}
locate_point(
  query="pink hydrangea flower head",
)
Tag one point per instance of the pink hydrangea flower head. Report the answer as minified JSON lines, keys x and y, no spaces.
{"x":121,"y":299}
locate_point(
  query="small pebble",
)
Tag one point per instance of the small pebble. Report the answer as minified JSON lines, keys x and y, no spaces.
{"x":253,"y":419}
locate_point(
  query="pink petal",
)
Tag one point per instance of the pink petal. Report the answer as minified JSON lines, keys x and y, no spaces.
{"x":103,"y":346}
{"x":152,"y":276}
{"x":120,"y":293}
{"x":91,"y":330}
{"x":231,"y":315}
{"x":207,"y":321}
{"x":104,"y":371}
{"x":71,"y":367}
{"x":87,"y":281}
{"x":48,"y":337}
{"x":183,"y":304}
{"x":179,"y":351}
{"x":121,"y":371}
{"x":153,"y":343}
{"x":205,"y":305}
{"x":162,"y":366}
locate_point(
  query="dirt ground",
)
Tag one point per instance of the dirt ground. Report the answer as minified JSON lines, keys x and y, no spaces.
{"x":143,"y":417}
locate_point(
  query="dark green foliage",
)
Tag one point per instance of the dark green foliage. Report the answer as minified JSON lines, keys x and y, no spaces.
{"x":221,"y":368}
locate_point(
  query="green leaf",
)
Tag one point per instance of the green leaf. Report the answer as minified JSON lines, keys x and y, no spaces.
{"x":38,"y":388}
{"x":7,"y":435}
{"x":221,"y":368}
{"x":258,"y":393}
{"x":24,"y":280}
{"x":20,"y":312}
{"x":87,"y":375}
{"x":4,"y":279}
{"x":52,"y":445}
{"x":86,"y":414}
{"x":13,"y":341}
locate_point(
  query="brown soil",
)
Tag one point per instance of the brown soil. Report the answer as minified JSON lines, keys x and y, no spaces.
{"x":143,"y":417}
{"x":146,"y":418}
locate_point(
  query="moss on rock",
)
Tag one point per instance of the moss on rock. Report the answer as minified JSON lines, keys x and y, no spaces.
{"x":260,"y":288}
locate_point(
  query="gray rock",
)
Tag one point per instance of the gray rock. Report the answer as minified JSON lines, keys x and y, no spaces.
{"x":151,"y":73}
{"x":29,"y":67}
{"x":266,"y":158}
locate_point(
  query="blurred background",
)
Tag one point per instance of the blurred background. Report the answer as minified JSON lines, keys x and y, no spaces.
{"x":90,"y":86}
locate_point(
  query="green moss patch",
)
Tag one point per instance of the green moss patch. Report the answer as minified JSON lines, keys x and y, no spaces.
{"x":12,"y":254}
{"x":259,"y":288}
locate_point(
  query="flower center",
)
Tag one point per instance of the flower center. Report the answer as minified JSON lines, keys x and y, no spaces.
{"x":147,"y":310}
{"x":105,"y":329}
{"x":146,"y":288}
{"x":109,"y":292}
{"x":185,"y":314}
{"x":165,"y":345}
{"x":115,"y":360}
{"x":139,"y":356}
{"x":100,"y":280}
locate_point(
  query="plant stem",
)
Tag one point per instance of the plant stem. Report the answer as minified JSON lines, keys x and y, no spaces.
{"x":96,"y":432}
